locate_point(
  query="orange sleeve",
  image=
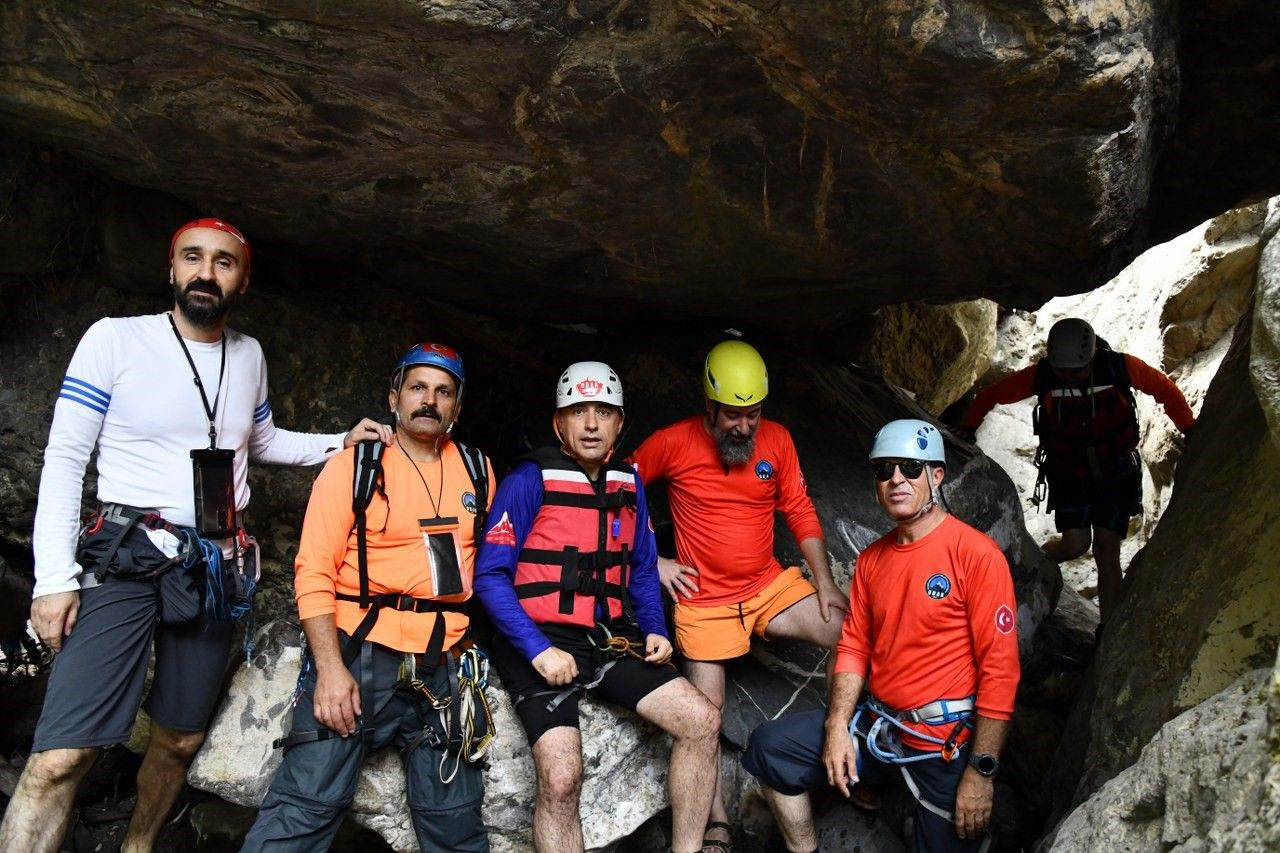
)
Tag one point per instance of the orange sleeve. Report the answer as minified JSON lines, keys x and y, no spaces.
{"x":853,"y":651}
{"x":1146,"y":378}
{"x":651,"y":459}
{"x":325,"y":532}
{"x":1014,"y":387}
{"x":793,"y":493}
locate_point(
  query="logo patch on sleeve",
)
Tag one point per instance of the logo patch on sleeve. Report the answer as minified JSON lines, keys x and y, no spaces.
{"x":764,"y":469}
{"x":1004,"y":619}
{"x":937,"y":586}
{"x":469,"y":502}
{"x":502,"y":533}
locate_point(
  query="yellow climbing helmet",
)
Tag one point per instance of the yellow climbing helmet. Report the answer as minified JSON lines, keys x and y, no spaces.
{"x":735,"y":375}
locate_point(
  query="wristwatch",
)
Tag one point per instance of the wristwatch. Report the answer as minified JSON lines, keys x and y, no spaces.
{"x":985,"y":763}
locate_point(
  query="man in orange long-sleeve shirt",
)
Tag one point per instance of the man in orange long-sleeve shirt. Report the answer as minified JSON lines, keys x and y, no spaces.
{"x":928,"y":660}
{"x":1089,"y":437}
{"x":727,"y":472}
{"x":379,"y":633}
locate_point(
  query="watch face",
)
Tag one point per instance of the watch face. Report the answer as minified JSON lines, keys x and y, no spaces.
{"x":985,"y":764}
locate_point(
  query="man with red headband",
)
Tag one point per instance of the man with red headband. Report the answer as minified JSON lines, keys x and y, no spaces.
{"x":176,"y":404}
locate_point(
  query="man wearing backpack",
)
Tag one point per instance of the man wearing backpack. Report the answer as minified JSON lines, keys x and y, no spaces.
{"x":568,"y":574}
{"x":150,"y":394}
{"x":1089,"y":435}
{"x":385,"y":620}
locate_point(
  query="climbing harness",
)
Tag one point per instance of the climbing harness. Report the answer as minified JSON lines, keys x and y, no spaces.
{"x":884,"y":741}
{"x":610,"y":648}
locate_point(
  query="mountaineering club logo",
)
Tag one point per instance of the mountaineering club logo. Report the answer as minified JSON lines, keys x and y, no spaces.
{"x":589,"y":387}
{"x":937,"y":586}
{"x":502,"y":533}
{"x":922,"y":441}
{"x":764,"y":469}
{"x":469,"y":502}
{"x":1004,"y":619}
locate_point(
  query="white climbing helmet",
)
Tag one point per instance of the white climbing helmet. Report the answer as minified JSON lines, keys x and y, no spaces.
{"x":909,"y":438}
{"x":588,"y":382}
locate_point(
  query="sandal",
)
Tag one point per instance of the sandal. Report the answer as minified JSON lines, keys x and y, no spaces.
{"x":715,"y":845}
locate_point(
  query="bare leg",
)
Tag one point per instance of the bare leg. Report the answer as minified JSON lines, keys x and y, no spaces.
{"x":1071,"y":544}
{"x":708,"y":677}
{"x":1106,"y":554}
{"x":40,"y":810}
{"x":802,"y":621}
{"x":557,"y":760}
{"x":160,"y":779}
{"x":681,"y":710}
{"x":794,"y":815}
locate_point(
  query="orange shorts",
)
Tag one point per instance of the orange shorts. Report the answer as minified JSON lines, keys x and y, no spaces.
{"x":723,"y":631}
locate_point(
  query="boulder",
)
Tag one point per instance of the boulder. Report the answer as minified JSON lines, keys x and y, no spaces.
{"x":935,"y":351}
{"x":1208,"y":780}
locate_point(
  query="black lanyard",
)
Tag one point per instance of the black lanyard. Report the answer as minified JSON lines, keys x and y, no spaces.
{"x":210,"y":411}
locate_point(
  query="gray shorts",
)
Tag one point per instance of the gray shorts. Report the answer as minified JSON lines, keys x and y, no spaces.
{"x":96,"y":684}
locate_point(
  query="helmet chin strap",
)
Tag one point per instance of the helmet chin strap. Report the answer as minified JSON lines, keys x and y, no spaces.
{"x":933,"y":497}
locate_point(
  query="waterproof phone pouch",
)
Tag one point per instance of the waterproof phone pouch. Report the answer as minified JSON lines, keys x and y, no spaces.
{"x":444,"y":557}
{"x":215,"y":492}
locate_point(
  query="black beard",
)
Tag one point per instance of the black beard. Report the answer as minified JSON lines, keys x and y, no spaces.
{"x":734,"y":450}
{"x":202,"y":313}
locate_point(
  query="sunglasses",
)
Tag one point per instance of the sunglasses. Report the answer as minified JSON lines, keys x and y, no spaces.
{"x":883,"y":468}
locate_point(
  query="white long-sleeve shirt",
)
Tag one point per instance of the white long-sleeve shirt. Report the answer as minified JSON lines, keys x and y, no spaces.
{"x":129,"y":392}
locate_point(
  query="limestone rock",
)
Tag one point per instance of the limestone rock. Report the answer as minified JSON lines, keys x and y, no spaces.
{"x":1264,"y":358}
{"x":1202,"y":600}
{"x":1206,"y":781}
{"x":935,"y":351}
{"x":1174,"y":308}
{"x":651,"y":153}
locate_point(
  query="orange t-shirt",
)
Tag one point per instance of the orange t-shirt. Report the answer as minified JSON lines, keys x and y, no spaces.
{"x":933,"y":619}
{"x":724,"y":517}
{"x":327,"y":556}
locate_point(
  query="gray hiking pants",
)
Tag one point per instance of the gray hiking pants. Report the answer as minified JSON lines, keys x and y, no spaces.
{"x":317,"y":781}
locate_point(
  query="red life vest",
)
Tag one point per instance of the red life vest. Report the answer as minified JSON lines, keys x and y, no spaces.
{"x":1092,"y":429}
{"x":578,"y":551}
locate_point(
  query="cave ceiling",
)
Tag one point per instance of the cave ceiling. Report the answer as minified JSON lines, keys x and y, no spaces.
{"x":795,"y":164}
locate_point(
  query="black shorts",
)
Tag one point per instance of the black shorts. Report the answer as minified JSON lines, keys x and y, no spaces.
{"x":625,"y":684}
{"x":1079,"y":502}
{"x":96,"y":683}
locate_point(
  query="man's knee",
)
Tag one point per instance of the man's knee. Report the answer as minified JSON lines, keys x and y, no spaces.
{"x":560,"y":784}
{"x":758,"y":757}
{"x":175,"y":745}
{"x":53,"y":768}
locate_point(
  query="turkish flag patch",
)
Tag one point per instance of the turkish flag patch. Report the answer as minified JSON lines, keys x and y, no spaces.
{"x":1004,"y":619}
{"x":502,"y":533}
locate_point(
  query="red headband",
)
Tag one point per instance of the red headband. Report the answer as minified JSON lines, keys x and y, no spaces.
{"x":216,"y":225}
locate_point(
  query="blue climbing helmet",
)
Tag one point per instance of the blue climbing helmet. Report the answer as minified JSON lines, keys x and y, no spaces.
{"x":442,"y":356}
{"x":909,"y":438}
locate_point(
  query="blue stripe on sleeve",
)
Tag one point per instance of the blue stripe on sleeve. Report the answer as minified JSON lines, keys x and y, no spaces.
{"x":96,"y":406}
{"x":79,"y":386}
{"x":261,"y":413}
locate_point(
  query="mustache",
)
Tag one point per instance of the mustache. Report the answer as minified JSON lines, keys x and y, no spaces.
{"x":203,"y":285}
{"x":427,"y":411}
